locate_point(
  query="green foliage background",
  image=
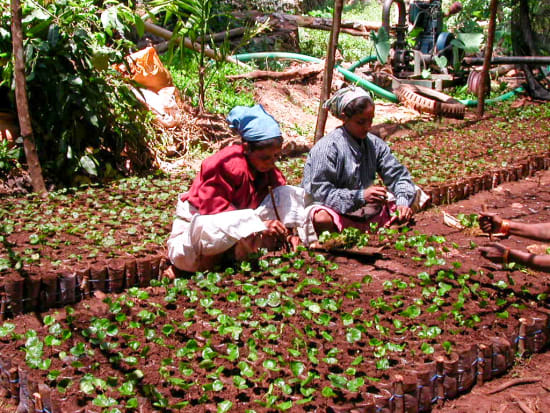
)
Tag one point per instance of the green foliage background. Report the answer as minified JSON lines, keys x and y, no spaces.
{"x":352,"y":48}
{"x":85,"y":119}
{"x":221,"y":95}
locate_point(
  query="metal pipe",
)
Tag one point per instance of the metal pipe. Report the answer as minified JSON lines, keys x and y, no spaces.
{"x":502,"y":60}
{"x":401,"y":21}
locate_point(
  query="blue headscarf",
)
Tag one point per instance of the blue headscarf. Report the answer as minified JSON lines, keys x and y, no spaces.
{"x":254,"y":124}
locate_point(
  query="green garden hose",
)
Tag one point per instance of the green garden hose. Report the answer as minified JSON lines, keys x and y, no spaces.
{"x":362,"y":62}
{"x":506,"y":96}
{"x":350,"y":76}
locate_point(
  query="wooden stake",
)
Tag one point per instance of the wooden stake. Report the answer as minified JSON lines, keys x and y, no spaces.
{"x":38,"y":405}
{"x":2,"y":306}
{"x":522,"y":336}
{"x":439,"y":388}
{"x":487,"y":60}
{"x":399,"y":406}
{"x":270,"y":189}
{"x":13,"y":386}
{"x":286,"y":244}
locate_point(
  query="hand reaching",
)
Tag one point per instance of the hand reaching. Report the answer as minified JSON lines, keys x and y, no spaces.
{"x":495,"y":252}
{"x":375,"y":195}
{"x":490,"y":222}
{"x":275,"y":228}
{"x":405,"y":213}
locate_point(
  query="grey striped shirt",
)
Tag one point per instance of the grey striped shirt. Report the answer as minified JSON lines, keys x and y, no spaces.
{"x":339,"y":168}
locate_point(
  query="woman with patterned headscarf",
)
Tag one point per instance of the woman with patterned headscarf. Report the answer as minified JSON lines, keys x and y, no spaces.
{"x":224,"y":212}
{"x":341,"y":168}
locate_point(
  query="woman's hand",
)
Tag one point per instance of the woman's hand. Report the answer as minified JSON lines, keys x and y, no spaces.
{"x":402,"y":214}
{"x":405,"y":213}
{"x":375,"y":195}
{"x":489,"y":222}
{"x":275,"y":227}
{"x":495,"y":252}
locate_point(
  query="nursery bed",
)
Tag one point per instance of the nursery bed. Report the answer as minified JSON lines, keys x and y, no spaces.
{"x":403,"y":330}
{"x":299,"y":333}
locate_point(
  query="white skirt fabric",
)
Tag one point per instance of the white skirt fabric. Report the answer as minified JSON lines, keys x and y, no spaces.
{"x":194,"y":236}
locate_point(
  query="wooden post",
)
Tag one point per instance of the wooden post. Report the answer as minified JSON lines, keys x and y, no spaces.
{"x":329,"y":67}
{"x":35,"y":171}
{"x":487,"y":60}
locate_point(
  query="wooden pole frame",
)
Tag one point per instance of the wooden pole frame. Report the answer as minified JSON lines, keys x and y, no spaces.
{"x":329,"y":68}
{"x":485,"y":80}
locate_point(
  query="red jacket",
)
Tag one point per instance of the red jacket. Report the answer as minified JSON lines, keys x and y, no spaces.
{"x":226,"y":182}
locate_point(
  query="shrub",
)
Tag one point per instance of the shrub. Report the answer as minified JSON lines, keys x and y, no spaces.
{"x":85,"y":119}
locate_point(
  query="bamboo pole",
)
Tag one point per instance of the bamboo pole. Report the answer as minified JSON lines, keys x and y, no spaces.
{"x":31,"y":154}
{"x":487,"y":61}
{"x":167,"y":34}
{"x":329,"y":68}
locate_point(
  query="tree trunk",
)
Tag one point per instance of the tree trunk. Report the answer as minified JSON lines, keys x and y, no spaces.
{"x":297,"y":73}
{"x":35,"y":171}
{"x":354,"y":28}
{"x":487,"y":61}
{"x":523,"y":42}
{"x":329,"y":68}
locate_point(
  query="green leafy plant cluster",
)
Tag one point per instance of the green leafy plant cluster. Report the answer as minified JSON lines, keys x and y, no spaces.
{"x":348,"y":238}
{"x":129,"y":216}
{"x":429,"y":156}
{"x":9,"y":156}
{"x":85,"y":119}
{"x":289,"y":329}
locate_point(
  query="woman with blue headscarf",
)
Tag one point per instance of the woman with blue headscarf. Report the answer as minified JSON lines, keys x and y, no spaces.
{"x":220,"y":213}
{"x":341,"y":168}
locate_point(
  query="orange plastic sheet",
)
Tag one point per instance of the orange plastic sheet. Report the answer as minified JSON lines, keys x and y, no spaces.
{"x":157,"y":92}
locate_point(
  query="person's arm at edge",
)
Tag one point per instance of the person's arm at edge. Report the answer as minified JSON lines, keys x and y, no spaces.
{"x":536,"y":262}
{"x":501,"y":254}
{"x":538,"y":232}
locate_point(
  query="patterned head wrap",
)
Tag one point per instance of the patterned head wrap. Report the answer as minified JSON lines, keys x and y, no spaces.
{"x":254,"y":124}
{"x":338,"y":102}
